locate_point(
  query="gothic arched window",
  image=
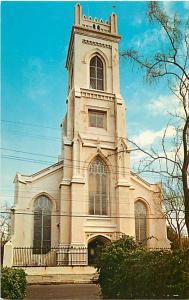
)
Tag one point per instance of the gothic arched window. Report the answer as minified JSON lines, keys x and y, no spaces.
{"x":140,"y":222}
{"x":96,"y":74}
{"x":98,"y":204}
{"x":42,"y":225}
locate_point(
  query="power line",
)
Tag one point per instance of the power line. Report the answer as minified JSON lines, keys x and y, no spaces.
{"x":88,"y":216}
{"x":109,"y":199}
{"x":17,"y":158}
{"x":25,"y":152}
{"x":25,"y":159}
{"x":52,"y":162}
{"x":57,"y":128}
{"x":28,"y":124}
{"x":67,"y":131}
{"x":41,"y":137}
{"x":64,"y":165}
{"x":69,"y":159}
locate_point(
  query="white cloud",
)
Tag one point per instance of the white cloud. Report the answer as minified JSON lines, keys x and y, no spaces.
{"x":161,"y":105}
{"x":165,"y":104}
{"x":186,"y":4}
{"x":148,"y":137}
{"x":37,"y":80}
{"x":149,"y":37}
{"x":136,"y":156}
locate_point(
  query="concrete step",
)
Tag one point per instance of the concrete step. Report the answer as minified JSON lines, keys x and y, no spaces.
{"x":55,"y":275}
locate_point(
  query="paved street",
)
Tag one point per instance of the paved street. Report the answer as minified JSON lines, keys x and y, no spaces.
{"x":63,"y":291}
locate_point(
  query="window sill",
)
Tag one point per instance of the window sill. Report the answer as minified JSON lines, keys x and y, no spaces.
{"x":98,"y":217}
{"x":98,"y":128}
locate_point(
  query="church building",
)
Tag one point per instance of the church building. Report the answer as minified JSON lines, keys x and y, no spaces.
{"x":90,"y":196}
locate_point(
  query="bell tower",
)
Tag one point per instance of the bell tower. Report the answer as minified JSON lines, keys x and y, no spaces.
{"x":93,"y":75}
{"x":94,"y":126}
{"x":88,"y":37}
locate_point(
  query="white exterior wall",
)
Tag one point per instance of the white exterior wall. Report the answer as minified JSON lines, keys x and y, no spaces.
{"x":28,"y":189}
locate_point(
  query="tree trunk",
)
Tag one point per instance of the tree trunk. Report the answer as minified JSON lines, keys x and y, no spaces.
{"x":186,"y":196}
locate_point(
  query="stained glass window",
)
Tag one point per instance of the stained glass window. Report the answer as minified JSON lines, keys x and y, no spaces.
{"x":140,"y":222}
{"x":98,"y":204}
{"x":42,"y":225}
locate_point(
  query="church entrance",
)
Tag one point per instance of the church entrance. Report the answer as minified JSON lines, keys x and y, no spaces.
{"x":95,"y":247}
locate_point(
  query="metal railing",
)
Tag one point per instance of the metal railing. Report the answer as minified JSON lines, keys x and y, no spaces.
{"x":54,"y":256}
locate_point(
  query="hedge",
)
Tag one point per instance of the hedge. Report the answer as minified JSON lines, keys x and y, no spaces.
{"x":128,"y":271}
{"x":13,"y":283}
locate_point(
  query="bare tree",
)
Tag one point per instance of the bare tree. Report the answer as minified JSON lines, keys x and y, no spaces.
{"x":173,"y":65}
{"x":5,"y":224}
{"x":173,"y":203}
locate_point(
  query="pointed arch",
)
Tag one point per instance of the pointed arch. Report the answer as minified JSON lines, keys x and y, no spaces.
{"x":96,"y":73}
{"x":32,"y":201}
{"x":146,"y":203}
{"x":141,"y":213}
{"x":95,"y":246}
{"x":100,"y":53}
{"x":98,"y":187}
{"x":101,"y":156}
{"x":42,"y":206}
{"x":102,"y":237}
{"x":106,"y":64}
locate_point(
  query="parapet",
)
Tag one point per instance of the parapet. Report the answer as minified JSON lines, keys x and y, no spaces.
{"x":95,"y":24}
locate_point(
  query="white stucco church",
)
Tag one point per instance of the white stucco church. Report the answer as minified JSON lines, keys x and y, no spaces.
{"x":90,"y":195}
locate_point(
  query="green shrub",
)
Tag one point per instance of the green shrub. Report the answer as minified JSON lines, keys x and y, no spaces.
{"x":13,"y":283}
{"x":128,"y":271}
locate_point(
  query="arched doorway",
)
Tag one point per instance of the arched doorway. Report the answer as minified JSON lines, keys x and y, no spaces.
{"x":94,"y":248}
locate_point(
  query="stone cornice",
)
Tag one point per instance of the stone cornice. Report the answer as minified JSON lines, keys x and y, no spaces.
{"x":67,"y":142}
{"x":88,"y":42}
{"x":99,"y":95}
{"x":97,"y":146}
{"x":79,"y":180}
{"x":97,"y":34}
{"x":65,"y":182}
{"x":123,"y":183}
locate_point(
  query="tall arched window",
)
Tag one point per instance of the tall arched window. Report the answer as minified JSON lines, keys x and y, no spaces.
{"x":140,"y":222}
{"x":98,"y":204}
{"x":96,"y":73}
{"x":42,"y":225}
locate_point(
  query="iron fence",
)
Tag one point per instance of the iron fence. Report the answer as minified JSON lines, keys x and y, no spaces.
{"x":51,"y":257}
{"x":55,"y":256}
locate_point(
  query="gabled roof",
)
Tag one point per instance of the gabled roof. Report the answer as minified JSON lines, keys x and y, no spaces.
{"x":29,"y":178}
{"x":144,"y":183}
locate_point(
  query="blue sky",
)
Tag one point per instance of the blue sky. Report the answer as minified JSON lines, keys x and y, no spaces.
{"x":35,"y":37}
